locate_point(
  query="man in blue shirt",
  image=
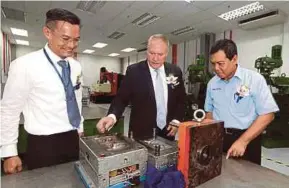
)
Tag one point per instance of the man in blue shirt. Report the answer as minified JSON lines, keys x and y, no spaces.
{"x":242,"y":99}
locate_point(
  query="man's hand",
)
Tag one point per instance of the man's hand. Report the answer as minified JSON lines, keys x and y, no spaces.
{"x":105,"y":123}
{"x":80,"y":134}
{"x":172,"y":130}
{"x":237,"y":149}
{"x":12,"y":165}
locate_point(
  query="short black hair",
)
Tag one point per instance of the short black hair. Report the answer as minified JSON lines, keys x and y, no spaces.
{"x":59,"y":14}
{"x":228,"y":46}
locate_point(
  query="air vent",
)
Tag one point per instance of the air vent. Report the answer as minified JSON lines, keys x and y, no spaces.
{"x":263,"y":20}
{"x":13,"y":14}
{"x":144,"y":43}
{"x":142,"y":50}
{"x":116,"y":35}
{"x":145,"y":19}
{"x":90,"y":6}
{"x":183,"y":30}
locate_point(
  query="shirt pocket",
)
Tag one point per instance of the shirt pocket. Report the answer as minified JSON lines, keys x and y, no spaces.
{"x":242,"y":107}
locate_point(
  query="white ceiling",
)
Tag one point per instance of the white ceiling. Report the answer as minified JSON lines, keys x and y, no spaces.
{"x":118,"y":15}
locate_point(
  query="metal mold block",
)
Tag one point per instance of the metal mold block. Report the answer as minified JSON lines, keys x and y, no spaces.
{"x":162,"y":153}
{"x":112,"y":159}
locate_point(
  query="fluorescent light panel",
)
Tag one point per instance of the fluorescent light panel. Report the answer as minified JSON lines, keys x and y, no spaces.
{"x":128,"y":49}
{"x":242,"y":11}
{"x":22,"y":42}
{"x":99,"y":45}
{"x":145,"y":19}
{"x":116,"y":35}
{"x":183,"y":30}
{"x":20,"y":32}
{"x":113,"y":54}
{"x":90,"y":5}
{"x":88,"y":51}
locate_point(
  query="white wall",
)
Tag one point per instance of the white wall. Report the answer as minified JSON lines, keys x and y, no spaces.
{"x":285,"y":48}
{"x":1,"y":66}
{"x":91,"y":64}
{"x":253,"y":44}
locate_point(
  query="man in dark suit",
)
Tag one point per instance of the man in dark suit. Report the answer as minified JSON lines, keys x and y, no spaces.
{"x":156,"y":92}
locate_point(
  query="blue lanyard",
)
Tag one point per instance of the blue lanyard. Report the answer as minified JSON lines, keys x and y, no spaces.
{"x":59,"y":75}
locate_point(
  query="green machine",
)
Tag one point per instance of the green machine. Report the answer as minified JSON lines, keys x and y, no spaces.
{"x":266,"y":66}
{"x":277,"y":134}
{"x":197,"y":82}
{"x":197,"y":71}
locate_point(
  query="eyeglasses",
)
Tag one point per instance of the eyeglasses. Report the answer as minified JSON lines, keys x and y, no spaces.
{"x":65,"y":39}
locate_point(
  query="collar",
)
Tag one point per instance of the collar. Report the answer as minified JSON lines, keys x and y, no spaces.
{"x":54,"y":58}
{"x":162,"y":68}
{"x":238,"y":74}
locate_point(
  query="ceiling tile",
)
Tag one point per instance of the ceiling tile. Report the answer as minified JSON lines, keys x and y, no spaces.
{"x":40,"y":7}
{"x":145,"y":6}
{"x":204,"y":5}
{"x":18,"y":5}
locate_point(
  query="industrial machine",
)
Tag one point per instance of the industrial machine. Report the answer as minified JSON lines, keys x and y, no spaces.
{"x":162,"y":153}
{"x":266,"y":66}
{"x":111,"y":160}
{"x":198,"y":78}
{"x":109,"y":77}
{"x":277,"y":134}
{"x":198,"y":72}
{"x":106,"y":88}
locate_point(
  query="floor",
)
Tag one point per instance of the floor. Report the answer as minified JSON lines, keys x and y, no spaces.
{"x":276,"y":159}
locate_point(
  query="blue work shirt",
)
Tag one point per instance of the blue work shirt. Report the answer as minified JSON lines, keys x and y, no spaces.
{"x":239,"y":111}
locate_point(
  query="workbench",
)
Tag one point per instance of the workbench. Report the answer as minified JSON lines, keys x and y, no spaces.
{"x":235,"y":174}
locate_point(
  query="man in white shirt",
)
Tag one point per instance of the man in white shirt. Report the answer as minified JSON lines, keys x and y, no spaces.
{"x":46,"y":86}
{"x":155,"y":90}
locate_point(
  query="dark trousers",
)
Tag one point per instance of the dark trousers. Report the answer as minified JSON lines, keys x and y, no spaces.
{"x":253,"y":150}
{"x":163,"y":133}
{"x":47,"y":150}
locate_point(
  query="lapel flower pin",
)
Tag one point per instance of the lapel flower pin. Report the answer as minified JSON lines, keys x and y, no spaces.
{"x":172,"y":80}
{"x":78,"y":83}
{"x":242,"y":91}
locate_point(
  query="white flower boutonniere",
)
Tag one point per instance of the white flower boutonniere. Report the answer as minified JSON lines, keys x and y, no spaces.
{"x":78,"y":82}
{"x":172,"y":80}
{"x":242,"y":91}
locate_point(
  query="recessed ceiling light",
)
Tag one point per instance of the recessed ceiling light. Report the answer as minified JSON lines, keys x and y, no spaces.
{"x":113,"y":54}
{"x":20,"y":32}
{"x":88,"y":51}
{"x":99,"y":45}
{"x":242,"y":11}
{"x":128,"y":49}
{"x":22,"y":42}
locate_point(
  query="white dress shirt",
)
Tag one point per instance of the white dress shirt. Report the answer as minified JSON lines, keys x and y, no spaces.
{"x":34,"y":88}
{"x":163,"y":76}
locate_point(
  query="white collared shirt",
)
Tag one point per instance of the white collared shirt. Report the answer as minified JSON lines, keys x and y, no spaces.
{"x":34,"y":88}
{"x":163,"y":76}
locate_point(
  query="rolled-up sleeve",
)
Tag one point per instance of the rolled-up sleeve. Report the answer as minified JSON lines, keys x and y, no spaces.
{"x":264,"y":101}
{"x":14,"y":98}
{"x":209,"y":100}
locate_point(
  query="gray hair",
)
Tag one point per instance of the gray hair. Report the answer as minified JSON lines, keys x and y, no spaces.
{"x":159,"y":36}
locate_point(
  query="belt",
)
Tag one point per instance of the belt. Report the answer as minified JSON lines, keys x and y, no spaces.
{"x":231,"y":131}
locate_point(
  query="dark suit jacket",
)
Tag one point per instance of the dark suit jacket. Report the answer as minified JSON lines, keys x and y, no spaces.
{"x":137,"y":89}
